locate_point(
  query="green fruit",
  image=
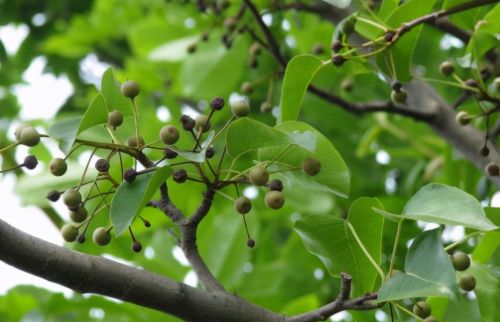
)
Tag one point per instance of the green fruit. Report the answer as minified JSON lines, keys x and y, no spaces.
{"x":17,"y":132}
{"x":311,"y":166}
{"x":467,"y":282}
{"x":422,"y":309}
{"x":493,"y":169}
{"x":446,"y":68}
{"x":72,"y":198}
{"x":169,"y":134}
{"x":130,"y":89}
{"x":463,"y":118}
{"x":460,"y":261}
{"x":274,"y":199}
{"x":101,"y":236}
{"x":102,"y":165}
{"x":115,"y":118}
{"x":266,"y":107}
{"x":132,"y":141}
{"x":259,"y":176}
{"x":58,"y":167}
{"x":69,"y":232}
{"x":243,"y":205}
{"x":29,"y":136}
{"x":399,"y":97}
{"x":201,"y":123}
{"x":240,"y":108}
{"x":78,"y":215}
{"x":246,"y":88}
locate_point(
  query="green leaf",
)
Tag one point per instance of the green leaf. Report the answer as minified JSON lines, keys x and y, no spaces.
{"x":334,"y":175}
{"x":338,"y":3}
{"x":111,"y":90}
{"x":428,"y":271}
{"x":66,"y":130}
{"x":131,"y":198}
{"x":442,"y":204}
{"x":196,"y":156}
{"x":330,"y":239}
{"x":173,"y":51}
{"x":299,"y":73}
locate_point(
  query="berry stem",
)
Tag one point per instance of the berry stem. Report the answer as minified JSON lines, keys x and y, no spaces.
{"x":136,"y":117}
{"x":216,"y":136}
{"x":246,"y":227}
{"x":278,"y":155}
{"x":395,"y":246}
{"x":466,"y":237}
{"x":9,"y":146}
{"x":373,"y":23}
{"x":112,"y":134}
{"x":86,"y":169}
{"x":365,"y":251}
{"x":402,"y":308}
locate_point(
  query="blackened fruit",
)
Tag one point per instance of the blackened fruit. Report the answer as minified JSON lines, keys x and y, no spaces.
{"x":133,"y":140}
{"x":243,"y":205}
{"x":69,"y":232}
{"x":336,"y":46}
{"x":396,"y":85}
{"x":115,"y":118}
{"x":202,"y":123}
{"x":399,"y":97}
{"x":318,"y":49}
{"x":147,"y":224}
{"x":169,"y":134}
{"x":463,"y":118}
{"x":78,"y":215}
{"x":240,"y":108}
{"x":102,"y":165}
{"x":58,"y":167}
{"x":191,"y":48}
{"x":30,"y":162}
{"x":338,"y":60}
{"x":422,"y":309}
{"x":210,"y":152}
{"x":347,"y":85}
{"x":53,"y":195}
{"x":217,"y":103}
{"x":485,"y":151}
{"x":467,"y":282}
{"x":274,"y":199}
{"x":389,"y":35}
{"x":72,"y":198}
{"x":266,"y":107}
{"x":29,"y":136}
{"x":246,"y":88}
{"x":136,"y":246}
{"x":311,"y":166}
{"x":129,"y":175}
{"x":130,"y":89}
{"x":460,"y":261}
{"x":80,"y":239}
{"x":251,"y":243}
{"x":101,"y":236}
{"x":276,"y":185}
{"x":169,"y":153}
{"x":493,"y":169}
{"x":188,"y":123}
{"x":258,"y":175}
{"x":179,"y":175}
{"x":446,"y":68}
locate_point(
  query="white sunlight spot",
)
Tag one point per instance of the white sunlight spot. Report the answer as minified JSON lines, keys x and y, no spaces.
{"x":163,"y":114}
{"x":179,"y":256}
{"x":91,"y":70}
{"x":191,"y":279}
{"x":12,"y":37}
{"x":251,"y":192}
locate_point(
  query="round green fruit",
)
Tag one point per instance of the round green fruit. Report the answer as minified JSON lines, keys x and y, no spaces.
{"x":201,"y":123}
{"x":422,"y":309}
{"x":266,"y":107}
{"x":133,"y":140}
{"x":115,"y":118}
{"x":259,"y":176}
{"x":240,"y":108}
{"x":29,"y":136}
{"x":493,"y":169}
{"x":17,"y":132}
{"x":78,"y":215}
{"x":72,"y":198}
{"x":274,"y":199}
{"x":243,"y":205}
{"x":446,"y":68}
{"x":463,"y":118}
{"x":101,"y":236}
{"x":311,"y":166}
{"x":69,"y":232}
{"x":169,"y":134}
{"x":58,"y":167}
{"x":399,"y":97}
{"x":460,"y":261}
{"x":130,"y":89}
{"x":467,"y":282}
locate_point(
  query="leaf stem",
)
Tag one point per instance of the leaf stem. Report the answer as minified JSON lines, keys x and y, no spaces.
{"x":451,"y":246}
{"x":395,"y":246}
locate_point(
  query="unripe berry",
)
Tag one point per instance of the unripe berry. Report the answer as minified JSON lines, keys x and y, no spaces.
{"x":29,"y":136}
{"x":485,"y":151}
{"x":217,"y":103}
{"x":169,"y":134}
{"x":30,"y":162}
{"x":258,"y":175}
{"x":266,"y":107}
{"x":311,"y":166}
{"x":169,"y":153}
{"x":101,"y":236}
{"x":53,"y":195}
{"x":72,"y":198}
{"x":274,"y":199}
{"x":188,"y":123}
{"x":276,"y":185}
{"x":78,"y":215}
{"x":115,"y":118}
{"x":240,"y":108}
{"x":102,"y":165}
{"x":318,"y":49}
{"x":69,"y":233}
{"x":422,"y":309}
{"x":133,"y":140}
{"x":460,"y":261}
{"x":446,"y":68}
{"x":191,"y":48}
{"x":179,"y":175}
{"x":246,"y":88}
{"x":17,"y":132}
{"x":396,"y":85}
{"x":463,"y":118}
{"x":243,"y":205}
{"x":130,"y":89}
{"x":210,"y":152}
{"x":493,"y":169}
{"x":251,"y":243}
{"x":399,"y":97}
{"x":336,"y":46}
{"x":202,"y":123}
{"x":129,"y":175}
{"x":80,"y":239}
{"x":467,"y":282}
{"x":136,"y":246}
{"x":58,"y":167}
{"x":338,"y":60}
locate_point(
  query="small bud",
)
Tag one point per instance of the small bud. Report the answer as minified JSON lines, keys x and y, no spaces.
{"x":136,"y":246}
{"x":336,"y":46}
{"x":276,"y":185}
{"x":102,"y":165}
{"x":210,"y":152}
{"x":188,"y":123}
{"x":251,"y":243}
{"x":53,"y":195}
{"x":179,"y":175}
{"x":338,"y":60}
{"x":217,"y":103}
{"x":396,"y":85}
{"x":129,"y":175}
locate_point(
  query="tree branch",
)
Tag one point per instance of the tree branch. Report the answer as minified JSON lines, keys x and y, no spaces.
{"x":90,"y":274}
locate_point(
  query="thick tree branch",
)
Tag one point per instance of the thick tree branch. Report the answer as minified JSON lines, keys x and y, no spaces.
{"x":90,"y":274}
